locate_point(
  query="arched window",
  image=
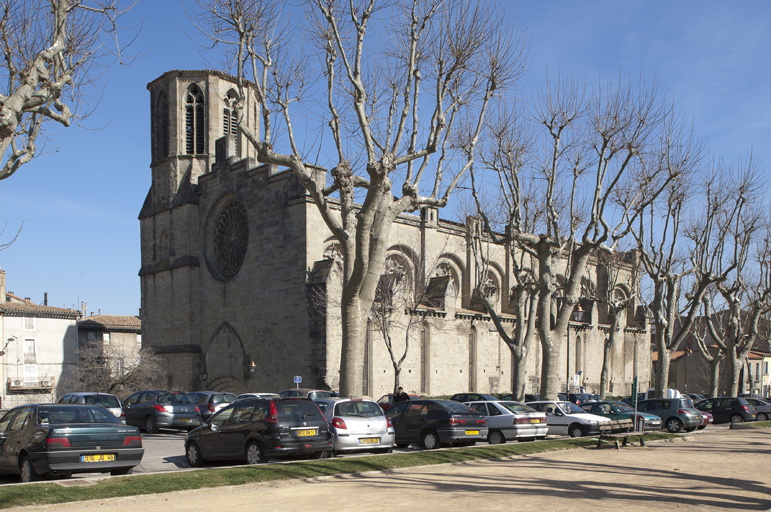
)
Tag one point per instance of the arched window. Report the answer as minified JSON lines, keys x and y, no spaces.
{"x":230,"y":120}
{"x":164,"y":249}
{"x":195,"y":126}
{"x":162,"y":134}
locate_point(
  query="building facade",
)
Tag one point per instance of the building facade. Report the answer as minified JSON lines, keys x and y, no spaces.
{"x":39,"y":348}
{"x":239,"y":270}
{"x":118,"y":338}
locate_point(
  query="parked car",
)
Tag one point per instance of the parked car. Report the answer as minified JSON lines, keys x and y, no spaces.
{"x":528,"y":398}
{"x":313,"y":394}
{"x":566,"y":418}
{"x":156,"y":409}
{"x":582,"y":398}
{"x":621,"y":411}
{"x":435,"y":422}
{"x":257,"y":429}
{"x":762,"y":408}
{"x":44,"y":440}
{"x":109,"y":402}
{"x":706,"y":419}
{"x":695,"y":396}
{"x":676,"y":413}
{"x":472,"y":397}
{"x":725,"y":409}
{"x":209,"y":402}
{"x":511,"y":420}
{"x":387,"y":401}
{"x":247,"y":396}
{"x":357,"y":424}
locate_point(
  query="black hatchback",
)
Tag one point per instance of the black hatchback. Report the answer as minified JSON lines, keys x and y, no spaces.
{"x":725,"y":409}
{"x":255,"y":430}
{"x":436,"y":422}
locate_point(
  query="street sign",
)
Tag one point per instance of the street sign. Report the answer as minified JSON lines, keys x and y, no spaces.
{"x":576,"y":380}
{"x":298,"y":379}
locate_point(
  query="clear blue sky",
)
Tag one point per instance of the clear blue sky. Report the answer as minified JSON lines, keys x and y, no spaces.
{"x":80,"y":201}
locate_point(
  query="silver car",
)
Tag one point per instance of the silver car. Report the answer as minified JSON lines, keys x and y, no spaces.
{"x":165,"y":409}
{"x":358,"y":425}
{"x":511,"y":420}
{"x":105,"y":400}
{"x":762,"y":408}
{"x":209,"y":402}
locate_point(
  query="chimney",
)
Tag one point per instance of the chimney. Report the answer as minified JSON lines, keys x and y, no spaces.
{"x":2,"y":286}
{"x":84,"y":309}
{"x":28,"y":299}
{"x":45,"y":298}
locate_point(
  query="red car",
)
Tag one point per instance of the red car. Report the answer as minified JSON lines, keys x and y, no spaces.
{"x":707,"y":419}
{"x":387,"y":401}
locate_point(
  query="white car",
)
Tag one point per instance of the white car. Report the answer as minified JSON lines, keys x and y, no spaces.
{"x":511,"y":420}
{"x":567,"y":419}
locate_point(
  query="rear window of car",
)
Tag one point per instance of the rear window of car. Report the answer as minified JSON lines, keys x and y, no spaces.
{"x":516,"y":407}
{"x":455,"y":406}
{"x":174,"y":398}
{"x":297,"y":410}
{"x":86,"y":414}
{"x":360,"y":409}
{"x":686,"y":402}
{"x":223,"y":398}
{"x":103,"y":400}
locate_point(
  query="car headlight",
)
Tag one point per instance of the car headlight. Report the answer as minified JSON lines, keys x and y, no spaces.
{"x":591,"y":421}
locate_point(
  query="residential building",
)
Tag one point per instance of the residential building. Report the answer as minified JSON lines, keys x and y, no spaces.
{"x":117,"y":338}
{"x":39,"y":347}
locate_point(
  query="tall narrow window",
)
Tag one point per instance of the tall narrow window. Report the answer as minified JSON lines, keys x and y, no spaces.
{"x":194,"y":121}
{"x":230,"y":121}
{"x":472,"y":349}
{"x":424,"y":358}
{"x":29,"y":323}
{"x":162,"y":142}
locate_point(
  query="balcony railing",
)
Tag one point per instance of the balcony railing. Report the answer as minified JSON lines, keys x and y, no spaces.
{"x":28,"y":384}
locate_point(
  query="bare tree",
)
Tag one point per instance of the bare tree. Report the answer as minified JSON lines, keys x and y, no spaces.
{"x":744,"y":260}
{"x":113,"y":369}
{"x":708,"y":349}
{"x":374,"y":59}
{"x":589,"y":145}
{"x":52,"y":51}
{"x":620,"y":292}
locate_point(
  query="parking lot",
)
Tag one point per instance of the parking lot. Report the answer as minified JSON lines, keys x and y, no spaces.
{"x":715,"y":469}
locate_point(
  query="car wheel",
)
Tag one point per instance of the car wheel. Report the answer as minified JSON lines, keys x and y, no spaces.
{"x":28,"y":473}
{"x":430,"y":440}
{"x":575,"y":430}
{"x":762,"y":416}
{"x":123,"y":471}
{"x":150,"y":426}
{"x":193,"y":455}
{"x":495,"y":437}
{"x":674,"y":425}
{"x":737,"y":419}
{"x":254,"y":454}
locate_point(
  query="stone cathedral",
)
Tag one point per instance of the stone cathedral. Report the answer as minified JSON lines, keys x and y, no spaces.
{"x":235,"y":257}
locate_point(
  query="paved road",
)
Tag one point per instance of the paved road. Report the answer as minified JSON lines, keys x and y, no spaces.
{"x":715,"y":470}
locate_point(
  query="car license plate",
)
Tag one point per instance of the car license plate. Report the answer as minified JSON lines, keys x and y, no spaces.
{"x":183,"y":420}
{"x":535,"y":420}
{"x":472,"y":432}
{"x":369,"y":440}
{"x":97,"y":458}
{"x":308,"y":432}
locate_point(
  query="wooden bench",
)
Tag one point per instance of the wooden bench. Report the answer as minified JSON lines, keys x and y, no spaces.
{"x":607,"y":434}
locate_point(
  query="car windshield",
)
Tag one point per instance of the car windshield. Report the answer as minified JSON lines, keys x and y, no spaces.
{"x":516,"y":407}
{"x":570,"y":408}
{"x":174,"y":398}
{"x":297,"y":410}
{"x":223,"y":398}
{"x":360,"y":409}
{"x":103,"y":400}
{"x":52,"y":414}
{"x":623,"y":408}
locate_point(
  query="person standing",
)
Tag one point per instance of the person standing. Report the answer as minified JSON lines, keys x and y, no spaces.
{"x":401,"y":396}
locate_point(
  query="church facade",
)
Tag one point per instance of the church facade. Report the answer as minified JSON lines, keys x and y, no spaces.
{"x":240,"y":276}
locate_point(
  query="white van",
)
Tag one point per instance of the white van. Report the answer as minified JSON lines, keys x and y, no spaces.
{"x":671,"y":393}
